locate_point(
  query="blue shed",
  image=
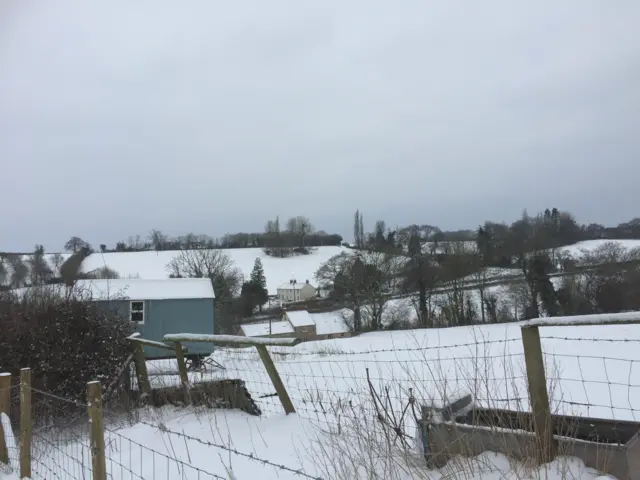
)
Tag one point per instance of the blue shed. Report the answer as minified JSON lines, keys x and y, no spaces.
{"x":158,"y":307}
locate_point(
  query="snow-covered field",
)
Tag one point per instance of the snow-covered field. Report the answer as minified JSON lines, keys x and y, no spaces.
{"x":576,"y":250}
{"x":191,"y":444}
{"x":593,"y":371}
{"x":152,"y":264}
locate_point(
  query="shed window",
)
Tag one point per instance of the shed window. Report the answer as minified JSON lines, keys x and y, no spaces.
{"x":137,"y":312}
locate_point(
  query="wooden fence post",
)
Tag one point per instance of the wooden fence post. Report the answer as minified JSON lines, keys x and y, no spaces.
{"x":275,"y":379}
{"x":538,"y":395}
{"x":5,"y":407}
{"x":26,"y":425}
{"x":184,"y":376}
{"x":144,"y":387}
{"x":98,"y":462}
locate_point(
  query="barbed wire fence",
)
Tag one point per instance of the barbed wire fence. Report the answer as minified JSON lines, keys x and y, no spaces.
{"x":336,"y":389}
{"x":600,"y":377}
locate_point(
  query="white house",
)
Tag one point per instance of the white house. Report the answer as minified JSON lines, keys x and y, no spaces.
{"x":295,"y":291}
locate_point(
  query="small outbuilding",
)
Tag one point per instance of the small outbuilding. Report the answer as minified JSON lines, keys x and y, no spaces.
{"x":158,"y":307}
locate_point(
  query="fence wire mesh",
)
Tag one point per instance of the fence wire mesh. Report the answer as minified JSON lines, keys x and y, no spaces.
{"x":335,"y":388}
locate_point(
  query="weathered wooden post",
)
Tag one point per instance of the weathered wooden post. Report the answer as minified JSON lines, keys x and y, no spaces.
{"x":275,"y":379}
{"x":144,"y":387}
{"x":5,"y":407}
{"x":26,"y":425}
{"x":98,"y":462}
{"x":182,"y":368}
{"x":538,"y":395}
{"x":239,"y":341}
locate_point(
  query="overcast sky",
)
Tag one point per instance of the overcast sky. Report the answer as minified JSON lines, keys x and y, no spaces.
{"x":117,"y":117}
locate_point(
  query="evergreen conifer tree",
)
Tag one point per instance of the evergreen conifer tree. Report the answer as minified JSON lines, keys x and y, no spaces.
{"x":259,"y":282}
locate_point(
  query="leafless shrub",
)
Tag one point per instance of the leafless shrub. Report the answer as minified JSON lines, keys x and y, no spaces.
{"x":65,"y":339}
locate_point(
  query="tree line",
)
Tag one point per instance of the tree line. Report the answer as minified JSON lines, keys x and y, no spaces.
{"x":442,"y":275}
{"x":497,"y":241}
{"x":297,"y":232}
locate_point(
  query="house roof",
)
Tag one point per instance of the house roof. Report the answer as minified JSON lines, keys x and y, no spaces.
{"x":329,"y":323}
{"x":295,"y":286}
{"x":262,"y":329}
{"x":137,"y":289}
{"x":299,"y":318}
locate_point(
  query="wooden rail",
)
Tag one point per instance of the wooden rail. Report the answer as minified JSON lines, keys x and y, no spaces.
{"x":152,"y":343}
{"x":232,"y":340}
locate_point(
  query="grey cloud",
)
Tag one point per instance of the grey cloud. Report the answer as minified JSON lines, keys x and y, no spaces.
{"x":116,"y":118}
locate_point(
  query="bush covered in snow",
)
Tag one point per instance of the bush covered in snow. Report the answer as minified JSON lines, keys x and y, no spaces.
{"x":65,"y":340}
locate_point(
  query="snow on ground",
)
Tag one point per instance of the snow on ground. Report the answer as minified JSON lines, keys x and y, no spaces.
{"x":576,"y":250}
{"x":152,"y":264}
{"x":196,"y":444}
{"x":596,"y":376}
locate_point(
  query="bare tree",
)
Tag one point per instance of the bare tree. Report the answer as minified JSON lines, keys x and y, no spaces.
{"x":364,"y":281}
{"x":56,"y":261}
{"x":300,"y":227}
{"x":158,"y":239}
{"x":383,"y":273}
{"x":3,"y":271}
{"x":19,"y":271}
{"x":39,"y":270}
{"x":104,"y":273}
{"x":135,"y":242}
{"x":421,"y":273}
{"x":75,"y":244}
{"x":456,"y":268}
{"x":209,"y":263}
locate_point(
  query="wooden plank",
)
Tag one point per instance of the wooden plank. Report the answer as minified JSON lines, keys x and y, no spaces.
{"x":26,"y":425}
{"x":153,"y":343}
{"x":141,"y":371}
{"x":625,"y":318}
{"x":235,"y":340}
{"x":184,"y":376}
{"x":275,"y":379}
{"x":538,"y":395}
{"x":5,"y":407}
{"x":99,"y":464}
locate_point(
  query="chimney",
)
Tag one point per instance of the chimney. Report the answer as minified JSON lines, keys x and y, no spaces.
{"x":307,"y":282}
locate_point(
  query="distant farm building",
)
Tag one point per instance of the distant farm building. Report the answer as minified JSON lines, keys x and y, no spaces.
{"x":300,"y":324}
{"x":296,"y":292}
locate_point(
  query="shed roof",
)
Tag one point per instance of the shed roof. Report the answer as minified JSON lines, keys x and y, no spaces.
{"x":137,"y":289}
{"x":299,"y":318}
{"x":262,"y":329}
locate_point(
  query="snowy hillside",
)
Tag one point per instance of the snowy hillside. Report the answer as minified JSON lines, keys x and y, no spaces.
{"x":576,"y":250}
{"x":152,"y":264}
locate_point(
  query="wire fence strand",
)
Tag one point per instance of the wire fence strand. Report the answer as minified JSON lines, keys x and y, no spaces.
{"x":333,"y":389}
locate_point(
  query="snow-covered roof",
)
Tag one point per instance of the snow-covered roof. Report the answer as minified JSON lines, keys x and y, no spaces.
{"x":294,"y":286}
{"x":262,"y":329}
{"x":131,"y":289}
{"x":329,"y":323}
{"x":137,"y":289}
{"x":300,"y":318}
